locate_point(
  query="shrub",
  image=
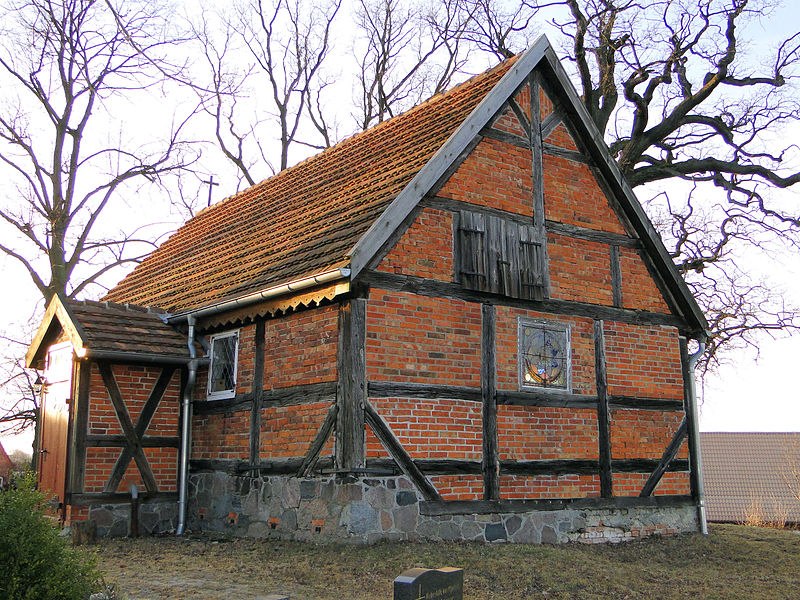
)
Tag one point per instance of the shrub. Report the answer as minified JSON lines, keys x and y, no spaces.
{"x":37,"y":564}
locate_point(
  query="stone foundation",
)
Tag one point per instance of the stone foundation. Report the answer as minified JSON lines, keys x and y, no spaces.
{"x":113,"y":520}
{"x":388,"y":508}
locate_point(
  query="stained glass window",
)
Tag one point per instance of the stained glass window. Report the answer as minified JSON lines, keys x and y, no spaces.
{"x":544,"y":355}
{"x":222,"y":370}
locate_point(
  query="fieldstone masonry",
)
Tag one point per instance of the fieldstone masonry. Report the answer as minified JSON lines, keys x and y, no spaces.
{"x":388,"y":508}
{"x":113,"y":520}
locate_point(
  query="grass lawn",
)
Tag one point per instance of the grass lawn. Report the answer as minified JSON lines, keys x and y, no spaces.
{"x":732,"y":562}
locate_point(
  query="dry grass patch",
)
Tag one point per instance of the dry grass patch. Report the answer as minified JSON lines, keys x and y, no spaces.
{"x":733,"y":562}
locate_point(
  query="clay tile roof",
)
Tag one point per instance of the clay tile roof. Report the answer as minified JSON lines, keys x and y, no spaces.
{"x":751,"y":474}
{"x":110,"y":327}
{"x":304,"y":220}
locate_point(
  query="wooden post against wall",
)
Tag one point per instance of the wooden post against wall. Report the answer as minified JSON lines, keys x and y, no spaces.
{"x":258,"y":389}
{"x":490,"y":464}
{"x":603,"y":421}
{"x":351,"y":391}
{"x":79,"y":430}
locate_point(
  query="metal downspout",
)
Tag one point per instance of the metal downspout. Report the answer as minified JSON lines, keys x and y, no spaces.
{"x":186,"y":433}
{"x":694,"y":442}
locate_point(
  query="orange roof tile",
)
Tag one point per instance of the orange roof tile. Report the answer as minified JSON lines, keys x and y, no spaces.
{"x":304,"y":220}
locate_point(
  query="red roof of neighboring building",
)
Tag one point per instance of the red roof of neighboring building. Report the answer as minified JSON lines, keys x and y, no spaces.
{"x":751,"y":476}
{"x":5,"y":462}
{"x":304,"y":220}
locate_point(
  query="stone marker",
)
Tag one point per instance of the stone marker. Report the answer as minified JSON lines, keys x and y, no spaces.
{"x":446,"y":583}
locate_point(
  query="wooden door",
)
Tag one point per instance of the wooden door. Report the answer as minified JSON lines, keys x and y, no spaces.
{"x":55,"y":421}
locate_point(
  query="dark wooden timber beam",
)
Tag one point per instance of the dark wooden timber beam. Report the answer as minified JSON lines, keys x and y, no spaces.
{"x":80,"y":426}
{"x":521,"y":116}
{"x":490,"y":464}
{"x":603,"y":422}
{"x":505,"y":136}
{"x":257,"y":390}
{"x":666,"y":459}
{"x":120,"y":441}
{"x":399,"y":454}
{"x":428,"y":287}
{"x":133,"y":435}
{"x":351,"y":394}
{"x":616,"y":276}
{"x":312,"y":455}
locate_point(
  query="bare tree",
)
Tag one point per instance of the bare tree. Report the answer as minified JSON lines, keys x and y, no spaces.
{"x":70,"y":71}
{"x":409,"y":53}
{"x":62,"y":63}
{"x":264,"y":65}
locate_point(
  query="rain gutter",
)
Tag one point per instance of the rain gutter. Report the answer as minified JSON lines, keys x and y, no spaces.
{"x":694,"y":441}
{"x":254,"y":298}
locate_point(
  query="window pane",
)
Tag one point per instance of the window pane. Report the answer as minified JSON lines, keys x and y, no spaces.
{"x":544,"y":355}
{"x":223,"y":364}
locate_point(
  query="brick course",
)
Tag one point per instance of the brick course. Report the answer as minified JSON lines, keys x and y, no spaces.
{"x":414,"y":338}
{"x":540,"y":433}
{"x":643,"y":361}
{"x":438,"y":428}
{"x":573,"y":196}
{"x":495,"y":174}
{"x":591,"y":260}
{"x":425,"y":249}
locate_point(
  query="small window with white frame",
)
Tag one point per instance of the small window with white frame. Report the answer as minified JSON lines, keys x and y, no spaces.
{"x":544,"y":355}
{"x":222,"y":368}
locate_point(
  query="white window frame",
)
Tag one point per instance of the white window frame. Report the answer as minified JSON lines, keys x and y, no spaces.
{"x":228,"y":393}
{"x":557,"y":326}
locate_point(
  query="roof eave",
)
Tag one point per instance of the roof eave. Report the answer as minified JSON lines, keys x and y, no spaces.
{"x":291,"y":287}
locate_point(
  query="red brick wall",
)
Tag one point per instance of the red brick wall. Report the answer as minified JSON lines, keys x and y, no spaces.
{"x":639,"y":290}
{"x":509,"y":122}
{"x":437,"y":428}
{"x":561,"y":137}
{"x":287,"y":431}
{"x":426,"y":249}
{"x":301,"y":348}
{"x":573,"y":196}
{"x":671,"y":484}
{"x":582,"y":342}
{"x":100,"y":463}
{"x":135,"y":384}
{"x":458,"y":487}
{"x":542,"y":433}
{"x":541,"y":487}
{"x":580,"y":271}
{"x":644,"y":433}
{"x":643,"y":361}
{"x":221,"y":436}
{"x":495,"y":174}
{"x":413,"y":338}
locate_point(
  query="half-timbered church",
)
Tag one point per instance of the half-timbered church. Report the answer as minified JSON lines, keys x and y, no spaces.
{"x":458,"y":324}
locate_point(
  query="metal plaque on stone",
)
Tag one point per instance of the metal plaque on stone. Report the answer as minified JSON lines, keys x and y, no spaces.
{"x":446,"y":583}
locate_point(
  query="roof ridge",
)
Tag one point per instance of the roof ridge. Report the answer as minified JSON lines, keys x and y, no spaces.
{"x":127,"y":306}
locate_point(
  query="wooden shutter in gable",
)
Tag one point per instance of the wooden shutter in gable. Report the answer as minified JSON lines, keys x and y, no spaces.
{"x":472,"y":251}
{"x":500,"y":256}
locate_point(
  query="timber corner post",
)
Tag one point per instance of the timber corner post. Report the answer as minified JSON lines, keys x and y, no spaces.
{"x":351,"y":389}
